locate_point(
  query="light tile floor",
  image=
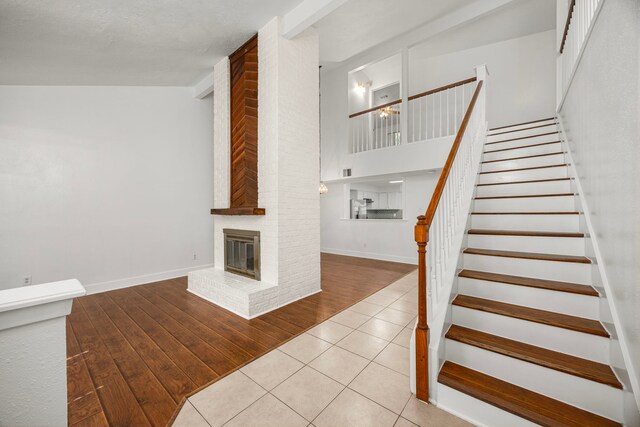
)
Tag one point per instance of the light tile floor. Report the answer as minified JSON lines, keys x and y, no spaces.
{"x":351,"y":370}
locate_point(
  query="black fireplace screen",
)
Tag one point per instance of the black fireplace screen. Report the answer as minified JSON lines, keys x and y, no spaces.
{"x":242,"y":252}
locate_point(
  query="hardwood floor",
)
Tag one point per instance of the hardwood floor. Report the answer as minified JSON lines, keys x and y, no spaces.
{"x":135,"y":353}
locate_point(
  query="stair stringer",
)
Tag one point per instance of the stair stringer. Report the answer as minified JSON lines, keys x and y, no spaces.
{"x":619,"y":357}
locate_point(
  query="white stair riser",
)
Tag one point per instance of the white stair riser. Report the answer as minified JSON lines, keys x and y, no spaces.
{"x":550,"y":270}
{"x":524,"y":126}
{"x":526,"y":204}
{"x":579,"y":344}
{"x":537,"y":129}
{"x":521,"y":152}
{"x":524,"y":222}
{"x":543,"y":245}
{"x":576,"y":391}
{"x":542,"y":299}
{"x":511,"y":142}
{"x":529,"y":162}
{"x":477,"y":411}
{"x":524,"y":175}
{"x":548,"y":187}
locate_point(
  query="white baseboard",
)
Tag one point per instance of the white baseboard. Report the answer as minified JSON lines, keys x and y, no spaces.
{"x":372,"y":255}
{"x":95,"y":288}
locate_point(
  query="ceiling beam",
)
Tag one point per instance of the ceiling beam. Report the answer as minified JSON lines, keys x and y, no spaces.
{"x":306,"y":14}
{"x":455,"y":19}
{"x":204,"y":87}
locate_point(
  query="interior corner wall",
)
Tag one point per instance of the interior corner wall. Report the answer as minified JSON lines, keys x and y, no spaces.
{"x":601,"y":119}
{"x":109,"y":185}
{"x":521,"y":83}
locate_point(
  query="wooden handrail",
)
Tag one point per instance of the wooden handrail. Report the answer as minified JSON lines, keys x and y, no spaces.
{"x":437,"y":193}
{"x":379,"y":107}
{"x":421,"y":234}
{"x":412,"y":97}
{"x":572,"y":5}
{"x":440,"y":89}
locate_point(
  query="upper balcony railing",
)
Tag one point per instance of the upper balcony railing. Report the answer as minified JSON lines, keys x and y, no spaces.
{"x":580,"y":19}
{"x":432,"y":114}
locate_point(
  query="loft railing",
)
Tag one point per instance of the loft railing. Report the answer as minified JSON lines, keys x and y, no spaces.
{"x":580,"y":18}
{"x":439,"y":232}
{"x":432,"y":114}
{"x":374,"y":128}
{"x":438,"y":112}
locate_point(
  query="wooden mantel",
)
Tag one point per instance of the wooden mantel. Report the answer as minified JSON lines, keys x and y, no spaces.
{"x":238,"y":211}
{"x":243,"y":146}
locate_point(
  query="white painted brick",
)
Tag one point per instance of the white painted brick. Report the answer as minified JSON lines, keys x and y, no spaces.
{"x":288,"y":138}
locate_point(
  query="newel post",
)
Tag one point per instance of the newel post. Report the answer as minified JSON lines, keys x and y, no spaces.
{"x":422,"y":330}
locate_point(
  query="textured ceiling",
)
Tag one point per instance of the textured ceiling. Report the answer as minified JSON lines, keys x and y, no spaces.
{"x":361,"y":24}
{"x":124,"y":42}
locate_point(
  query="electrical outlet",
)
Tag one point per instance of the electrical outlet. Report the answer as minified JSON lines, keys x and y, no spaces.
{"x":26,"y":280}
{"x":195,"y":257}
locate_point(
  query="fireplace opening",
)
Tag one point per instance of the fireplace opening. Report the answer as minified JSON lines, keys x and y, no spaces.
{"x":242,"y":252}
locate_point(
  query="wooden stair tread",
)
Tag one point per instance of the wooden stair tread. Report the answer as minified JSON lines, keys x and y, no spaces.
{"x":526,"y":196}
{"x":527,"y":213}
{"x":523,"y":157}
{"x":572,"y":365}
{"x":523,"y":123}
{"x":531,"y":282}
{"x":573,"y":323}
{"x":526,"y":169}
{"x":522,"y":146}
{"x":523,"y":233}
{"x":528,"y":255}
{"x":523,"y":129}
{"x":523,"y":182}
{"x":522,"y":137}
{"x":517,"y":400}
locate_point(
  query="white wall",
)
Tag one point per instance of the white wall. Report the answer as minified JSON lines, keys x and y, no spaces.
{"x":104,"y":184}
{"x":522,"y":75}
{"x":379,"y":239}
{"x":601,"y":118}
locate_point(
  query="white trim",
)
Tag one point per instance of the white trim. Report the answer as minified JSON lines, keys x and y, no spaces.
{"x":31,"y":304}
{"x":28,"y":296}
{"x":579,"y":58}
{"x":306,"y":14}
{"x":599,"y":264}
{"x":204,"y":87}
{"x":237,"y":313}
{"x":94,"y":288}
{"x":372,"y":255}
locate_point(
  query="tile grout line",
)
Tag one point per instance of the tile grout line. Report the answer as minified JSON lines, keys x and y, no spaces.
{"x":344,"y":387}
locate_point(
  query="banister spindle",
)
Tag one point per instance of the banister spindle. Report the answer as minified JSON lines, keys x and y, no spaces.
{"x":422,"y":330}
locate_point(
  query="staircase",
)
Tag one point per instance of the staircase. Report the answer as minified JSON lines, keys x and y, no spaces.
{"x":525,"y":343}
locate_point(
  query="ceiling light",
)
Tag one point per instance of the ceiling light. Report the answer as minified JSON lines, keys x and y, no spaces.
{"x":396,"y":182}
{"x":323,"y":188}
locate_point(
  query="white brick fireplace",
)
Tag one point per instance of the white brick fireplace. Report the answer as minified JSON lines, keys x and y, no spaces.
{"x":288,"y":138}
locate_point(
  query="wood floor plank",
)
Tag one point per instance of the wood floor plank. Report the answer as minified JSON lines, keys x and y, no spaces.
{"x":185,"y":308}
{"x":181,"y":337}
{"x":119,"y":404}
{"x":97,"y":420}
{"x":198,"y":371}
{"x":147,"y":386}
